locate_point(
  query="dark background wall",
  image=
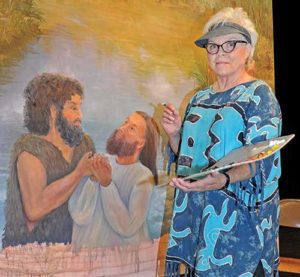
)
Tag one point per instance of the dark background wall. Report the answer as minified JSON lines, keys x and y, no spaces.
{"x":287,"y":84}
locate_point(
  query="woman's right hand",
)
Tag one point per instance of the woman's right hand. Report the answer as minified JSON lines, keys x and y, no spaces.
{"x":171,"y":121}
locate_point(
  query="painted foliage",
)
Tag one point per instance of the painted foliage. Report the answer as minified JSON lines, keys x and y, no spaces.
{"x":128,"y":56}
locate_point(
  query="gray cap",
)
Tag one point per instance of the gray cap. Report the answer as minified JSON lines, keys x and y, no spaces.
{"x":221,"y":29}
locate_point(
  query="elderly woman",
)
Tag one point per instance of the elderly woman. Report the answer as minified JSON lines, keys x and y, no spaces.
{"x":225,"y":224}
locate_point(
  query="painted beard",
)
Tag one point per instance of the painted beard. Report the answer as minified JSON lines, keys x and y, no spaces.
{"x":118,"y":146}
{"x":71,"y":134}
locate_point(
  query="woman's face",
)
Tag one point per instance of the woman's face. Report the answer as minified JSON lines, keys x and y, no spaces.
{"x":227,"y":64}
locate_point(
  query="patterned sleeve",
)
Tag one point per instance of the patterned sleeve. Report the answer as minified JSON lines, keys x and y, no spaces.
{"x":264,"y":122}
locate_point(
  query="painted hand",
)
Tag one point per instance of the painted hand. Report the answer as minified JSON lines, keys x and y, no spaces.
{"x":84,"y":165}
{"x":101,"y":169}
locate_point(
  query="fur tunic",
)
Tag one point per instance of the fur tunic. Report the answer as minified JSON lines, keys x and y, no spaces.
{"x":57,"y":225}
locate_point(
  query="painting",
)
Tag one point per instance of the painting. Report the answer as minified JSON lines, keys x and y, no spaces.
{"x":125,"y":58}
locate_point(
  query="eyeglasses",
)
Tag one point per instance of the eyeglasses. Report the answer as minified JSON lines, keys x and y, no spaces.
{"x":227,"y":46}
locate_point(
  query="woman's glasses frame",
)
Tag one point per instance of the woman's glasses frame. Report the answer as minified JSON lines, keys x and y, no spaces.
{"x":227,"y":46}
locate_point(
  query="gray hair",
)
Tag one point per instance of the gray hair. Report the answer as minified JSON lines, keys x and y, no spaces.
{"x":238,"y":16}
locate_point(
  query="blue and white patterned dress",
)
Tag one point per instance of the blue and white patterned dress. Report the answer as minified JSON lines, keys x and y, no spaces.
{"x":227,"y":232}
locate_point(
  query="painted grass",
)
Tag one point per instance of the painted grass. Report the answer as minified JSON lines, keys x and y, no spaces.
{"x":19,"y":21}
{"x":155,"y":36}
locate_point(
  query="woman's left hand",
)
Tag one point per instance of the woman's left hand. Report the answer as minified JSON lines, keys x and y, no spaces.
{"x":213,"y":181}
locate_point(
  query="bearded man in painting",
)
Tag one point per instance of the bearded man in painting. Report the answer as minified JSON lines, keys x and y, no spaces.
{"x":113,"y":211}
{"x":47,"y":163}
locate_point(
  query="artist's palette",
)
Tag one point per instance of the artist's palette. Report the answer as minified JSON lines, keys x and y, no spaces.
{"x":245,"y":155}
